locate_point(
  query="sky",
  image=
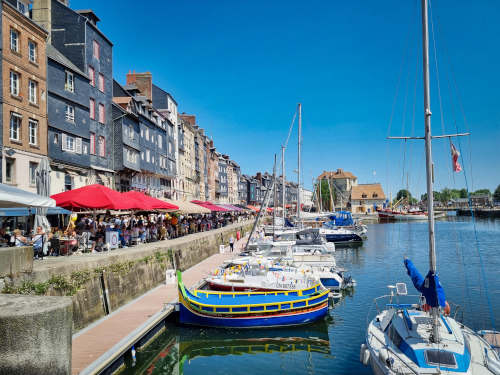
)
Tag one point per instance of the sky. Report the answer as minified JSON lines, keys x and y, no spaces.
{"x":242,"y":66}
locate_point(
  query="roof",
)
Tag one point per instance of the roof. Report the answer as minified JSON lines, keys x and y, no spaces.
{"x":55,"y":55}
{"x":339,"y":173}
{"x":367,"y":191}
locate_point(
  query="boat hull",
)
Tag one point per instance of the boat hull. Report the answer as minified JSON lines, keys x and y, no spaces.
{"x":191,"y":317}
{"x":343,"y":238}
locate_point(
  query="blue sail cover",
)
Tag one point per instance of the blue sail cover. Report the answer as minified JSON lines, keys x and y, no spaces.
{"x":430,"y":287}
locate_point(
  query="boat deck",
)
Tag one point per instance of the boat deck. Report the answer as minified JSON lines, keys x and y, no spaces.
{"x":100,"y":339}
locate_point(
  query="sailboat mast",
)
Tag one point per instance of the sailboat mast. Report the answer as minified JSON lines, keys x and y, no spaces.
{"x":428,"y":160}
{"x":428,"y":138}
{"x":283,"y":188}
{"x":274,"y":195}
{"x":298,"y":162}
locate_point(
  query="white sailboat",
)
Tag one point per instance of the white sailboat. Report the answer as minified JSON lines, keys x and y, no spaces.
{"x":420,"y":337}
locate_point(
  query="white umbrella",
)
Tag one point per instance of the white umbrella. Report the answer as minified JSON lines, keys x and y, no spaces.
{"x":42,"y":176}
{"x":14,"y":197}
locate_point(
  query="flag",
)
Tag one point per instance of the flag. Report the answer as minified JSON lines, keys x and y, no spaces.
{"x":454,"y":158}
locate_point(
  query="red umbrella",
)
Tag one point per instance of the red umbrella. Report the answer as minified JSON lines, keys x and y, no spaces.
{"x":148,"y":202}
{"x":92,"y":197}
{"x":210,"y":206}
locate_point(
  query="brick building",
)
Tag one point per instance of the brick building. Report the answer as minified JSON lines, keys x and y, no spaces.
{"x":24,"y":95}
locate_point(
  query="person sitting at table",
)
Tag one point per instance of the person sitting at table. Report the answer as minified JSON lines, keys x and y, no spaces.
{"x":19,"y":239}
{"x":98,"y":239}
{"x":38,"y":242}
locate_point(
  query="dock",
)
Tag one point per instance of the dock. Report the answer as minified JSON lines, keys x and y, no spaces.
{"x":99,"y":348}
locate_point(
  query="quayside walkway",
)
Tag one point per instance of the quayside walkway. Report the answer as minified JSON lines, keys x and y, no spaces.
{"x":95,"y":343}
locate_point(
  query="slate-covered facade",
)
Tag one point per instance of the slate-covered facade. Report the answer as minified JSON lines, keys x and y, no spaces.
{"x":68,"y":122}
{"x":75,"y":34}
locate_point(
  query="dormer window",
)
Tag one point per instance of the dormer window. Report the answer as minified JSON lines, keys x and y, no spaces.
{"x":374,"y":195}
{"x":363,"y":195}
{"x":96,"y":50}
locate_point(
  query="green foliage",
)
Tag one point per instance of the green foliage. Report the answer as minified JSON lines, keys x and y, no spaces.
{"x":326,"y":192}
{"x":69,"y":286}
{"x":403,"y":193}
{"x":481,"y":192}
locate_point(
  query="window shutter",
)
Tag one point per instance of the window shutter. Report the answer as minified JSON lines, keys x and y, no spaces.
{"x":78,"y":145}
{"x":63,"y":142}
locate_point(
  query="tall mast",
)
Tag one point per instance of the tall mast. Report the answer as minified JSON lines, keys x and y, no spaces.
{"x":298,"y":162}
{"x":283,"y":188}
{"x":274,"y":195}
{"x":428,"y":159}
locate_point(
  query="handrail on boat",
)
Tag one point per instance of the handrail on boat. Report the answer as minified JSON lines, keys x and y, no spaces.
{"x":389,"y":349}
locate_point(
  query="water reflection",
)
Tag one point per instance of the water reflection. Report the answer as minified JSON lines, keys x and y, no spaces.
{"x":178,"y":346}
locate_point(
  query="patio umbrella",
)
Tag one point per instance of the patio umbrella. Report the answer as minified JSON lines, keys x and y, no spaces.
{"x":149,"y":203}
{"x":94,"y":197}
{"x":42,"y":177}
{"x":210,"y":206}
{"x":14,"y":197}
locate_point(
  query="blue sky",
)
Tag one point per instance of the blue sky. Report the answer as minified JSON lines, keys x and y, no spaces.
{"x":242,"y":67}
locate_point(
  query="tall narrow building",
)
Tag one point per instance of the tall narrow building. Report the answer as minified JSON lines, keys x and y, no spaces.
{"x":76,"y":35}
{"x":24,"y":95}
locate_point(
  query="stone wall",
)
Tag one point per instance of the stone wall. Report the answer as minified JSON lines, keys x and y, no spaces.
{"x":15,"y":260}
{"x":101,"y":283}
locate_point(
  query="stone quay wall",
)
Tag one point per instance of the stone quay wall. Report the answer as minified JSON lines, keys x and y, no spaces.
{"x":100,"y":283}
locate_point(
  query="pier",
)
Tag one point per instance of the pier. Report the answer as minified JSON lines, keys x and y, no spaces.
{"x":100,"y":347}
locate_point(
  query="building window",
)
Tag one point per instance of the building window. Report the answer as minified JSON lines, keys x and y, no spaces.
{"x":131,"y":132}
{"x":363,"y":195}
{"x":92,"y":143}
{"x":69,"y":82}
{"x":142,"y":133}
{"x":9,"y":169}
{"x":102,"y":118}
{"x":22,"y":7}
{"x":374,"y":195}
{"x":68,"y":143}
{"x":33,"y":132}
{"x":14,"y":83}
{"x":147,"y":134}
{"x":56,"y":139}
{"x":14,"y":40}
{"x":102,"y":146}
{"x":97,"y":50}
{"x":92,"y":75}
{"x":147,"y":156}
{"x":68,"y":182}
{"x":142,"y":155}
{"x":92,"y":109}
{"x":159,"y":141}
{"x":32,"y":51}
{"x":15,"y":126}
{"x":33,"y":167}
{"x":101,"y":82}
{"x":32,"y":91}
{"x":70,"y":113}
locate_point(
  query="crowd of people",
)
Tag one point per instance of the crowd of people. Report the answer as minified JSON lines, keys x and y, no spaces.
{"x":87,"y":233}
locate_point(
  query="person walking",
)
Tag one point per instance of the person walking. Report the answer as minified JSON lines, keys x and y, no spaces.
{"x":231,"y":243}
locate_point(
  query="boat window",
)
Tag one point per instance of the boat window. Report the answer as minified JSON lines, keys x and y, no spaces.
{"x":394,"y":336}
{"x":440,"y":358}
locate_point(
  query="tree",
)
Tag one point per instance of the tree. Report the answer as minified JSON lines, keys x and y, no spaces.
{"x":481,"y":192}
{"x":324,"y":187}
{"x":403,"y":193}
{"x":496,"y":195}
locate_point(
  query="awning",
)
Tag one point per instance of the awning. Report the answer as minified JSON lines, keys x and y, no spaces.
{"x":186,"y":207}
{"x":27,"y":211}
{"x":96,"y":167}
{"x":14,"y":197}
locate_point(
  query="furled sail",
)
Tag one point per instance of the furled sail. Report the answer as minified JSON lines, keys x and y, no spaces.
{"x":430,"y":287}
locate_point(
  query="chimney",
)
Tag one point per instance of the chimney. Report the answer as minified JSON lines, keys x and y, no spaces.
{"x":143,"y":81}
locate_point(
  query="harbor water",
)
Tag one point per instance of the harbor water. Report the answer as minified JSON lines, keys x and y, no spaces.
{"x":466,"y":258}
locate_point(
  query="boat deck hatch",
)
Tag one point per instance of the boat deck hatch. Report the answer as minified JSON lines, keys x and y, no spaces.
{"x":440,"y":358}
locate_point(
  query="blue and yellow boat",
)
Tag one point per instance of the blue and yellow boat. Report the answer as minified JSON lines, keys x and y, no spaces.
{"x":251,"y":309}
